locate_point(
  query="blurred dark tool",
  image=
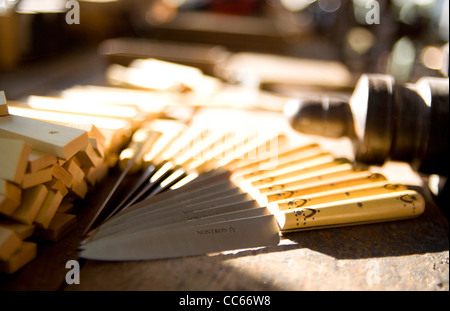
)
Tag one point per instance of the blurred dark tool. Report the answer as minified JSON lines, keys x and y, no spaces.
{"x":385,"y":121}
{"x":407,"y":122}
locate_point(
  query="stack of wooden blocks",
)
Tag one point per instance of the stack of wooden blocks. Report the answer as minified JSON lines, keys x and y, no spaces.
{"x":44,"y":168}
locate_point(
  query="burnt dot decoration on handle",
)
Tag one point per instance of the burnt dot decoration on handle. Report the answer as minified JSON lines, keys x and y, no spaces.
{"x":392,"y":186}
{"x":359,"y":204}
{"x":300,"y":202}
{"x":408,"y":198}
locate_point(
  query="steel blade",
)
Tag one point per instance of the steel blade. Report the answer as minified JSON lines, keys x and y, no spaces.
{"x":188,"y":241}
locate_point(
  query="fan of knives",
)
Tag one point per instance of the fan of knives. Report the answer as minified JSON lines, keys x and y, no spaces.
{"x":217,"y":184}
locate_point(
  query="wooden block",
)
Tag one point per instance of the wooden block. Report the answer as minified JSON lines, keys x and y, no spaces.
{"x":70,"y":120}
{"x":65,"y":207}
{"x":96,"y":133}
{"x":96,"y":136}
{"x":9,"y":243}
{"x":60,"y":225}
{"x":32,"y":201}
{"x":24,"y":255}
{"x":23,"y":231}
{"x":3,"y":106}
{"x":13,"y":158}
{"x":100,"y":149}
{"x":48,"y":209}
{"x":79,"y":186}
{"x":117,"y":139}
{"x":10,"y":197}
{"x":80,"y":189}
{"x":110,"y":139}
{"x":62,"y":175}
{"x":86,"y":170}
{"x":76,"y":161}
{"x":37,"y":178}
{"x":52,"y":138}
{"x":96,"y":174}
{"x":73,"y":167}
{"x":56,"y":184}
{"x":88,"y":157}
{"x":39,"y":160}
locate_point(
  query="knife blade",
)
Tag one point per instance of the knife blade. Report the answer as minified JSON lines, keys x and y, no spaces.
{"x":201,"y":218}
{"x":176,"y":197}
{"x":261,"y":231}
{"x":169,"y":216}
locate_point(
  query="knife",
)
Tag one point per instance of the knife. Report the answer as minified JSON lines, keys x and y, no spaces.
{"x":244,"y":233}
{"x":179,"y":196}
{"x":181,"y":214}
{"x":201,"y":218}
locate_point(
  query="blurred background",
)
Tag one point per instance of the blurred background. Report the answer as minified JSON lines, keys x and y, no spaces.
{"x":406,"y":40}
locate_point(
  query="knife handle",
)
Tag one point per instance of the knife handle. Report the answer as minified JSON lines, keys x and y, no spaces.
{"x":383,"y":207}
